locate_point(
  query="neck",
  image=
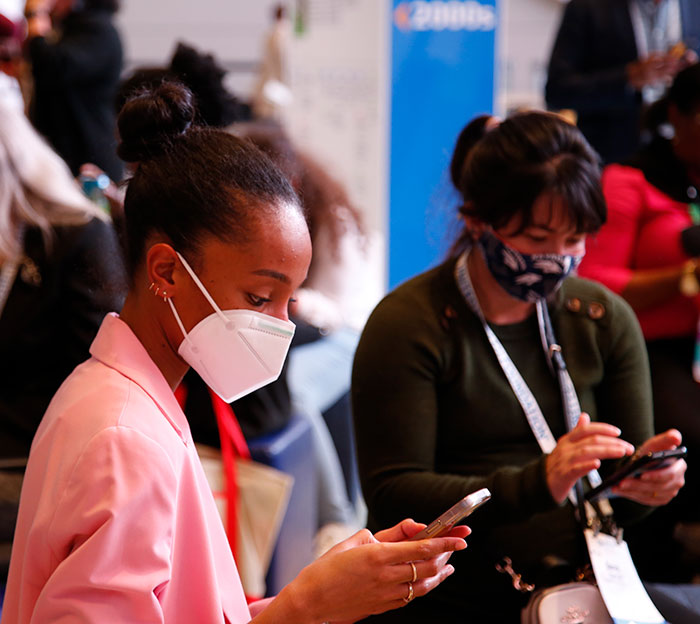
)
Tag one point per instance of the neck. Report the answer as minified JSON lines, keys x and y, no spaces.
{"x":143,"y":313}
{"x":497,"y":305}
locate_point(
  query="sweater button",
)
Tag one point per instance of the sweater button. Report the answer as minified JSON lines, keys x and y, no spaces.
{"x":573,"y":304}
{"x":596,"y":310}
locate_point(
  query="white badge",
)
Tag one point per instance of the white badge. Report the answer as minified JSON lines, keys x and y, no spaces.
{"x":622,"y":590}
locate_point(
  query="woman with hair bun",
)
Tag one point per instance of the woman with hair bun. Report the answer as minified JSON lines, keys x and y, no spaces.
{"x":436,"y":414}
{"x":117,"y":522}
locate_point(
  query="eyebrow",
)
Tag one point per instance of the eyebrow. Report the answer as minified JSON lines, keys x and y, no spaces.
{"x":273,"y":274}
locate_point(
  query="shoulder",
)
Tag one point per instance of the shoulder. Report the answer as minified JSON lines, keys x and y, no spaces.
{"x":418,"y":299}
{"x":590,"y":303}
{"x":414,"y":320}
{"x":95,"y":399}
{"x":624,"y":187}
{"x":622,"y":175}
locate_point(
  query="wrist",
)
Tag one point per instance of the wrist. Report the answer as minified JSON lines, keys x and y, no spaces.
{"x":299,"y":606}
{"x":688,"y":283}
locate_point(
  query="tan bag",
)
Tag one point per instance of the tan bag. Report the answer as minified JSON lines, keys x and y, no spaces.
{"x":263,"y":495}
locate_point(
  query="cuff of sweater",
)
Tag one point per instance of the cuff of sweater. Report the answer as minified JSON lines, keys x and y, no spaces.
{"x":523,"y":490}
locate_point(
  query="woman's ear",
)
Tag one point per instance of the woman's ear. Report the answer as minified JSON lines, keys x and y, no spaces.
{"x":472,"y":224}
{"x":162,"y":269}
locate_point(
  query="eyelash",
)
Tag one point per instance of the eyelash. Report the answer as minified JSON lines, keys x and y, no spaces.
{"x":256,"y":301}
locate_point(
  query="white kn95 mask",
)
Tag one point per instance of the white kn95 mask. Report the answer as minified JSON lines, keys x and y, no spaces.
{"x":234,"y":351}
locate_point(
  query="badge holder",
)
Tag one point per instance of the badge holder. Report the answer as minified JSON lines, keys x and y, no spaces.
{"x":616,"y":576}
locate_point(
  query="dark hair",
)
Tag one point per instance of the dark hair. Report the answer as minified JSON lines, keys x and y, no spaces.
{"x":105,"y":5}
{"x":191,"y":182}
{"x":202,"y":75}
{"x":141,"y":79}
{"x":216,"y":105}
{"x":685,"y":90}
{"x":525,"y":156}
{"x":325,"y":201}
{"x":279,"y":11}
{"x":684,"y":93}
{"x":467,"y":139}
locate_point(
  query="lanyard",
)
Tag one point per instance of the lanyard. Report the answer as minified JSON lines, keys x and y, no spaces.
{"x":522,"y":392}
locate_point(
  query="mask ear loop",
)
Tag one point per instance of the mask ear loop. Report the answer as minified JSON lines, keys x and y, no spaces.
{"x":177,"y":318}
{"x":205,"y":292}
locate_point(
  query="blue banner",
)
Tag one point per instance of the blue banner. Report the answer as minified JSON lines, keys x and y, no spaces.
{"x":442,"y":76}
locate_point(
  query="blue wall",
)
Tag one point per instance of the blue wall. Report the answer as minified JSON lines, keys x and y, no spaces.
{"x":442,"y":76}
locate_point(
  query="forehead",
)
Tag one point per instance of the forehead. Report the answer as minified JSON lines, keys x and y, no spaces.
{"x":549,"y":212}
{"x":278,"y":242}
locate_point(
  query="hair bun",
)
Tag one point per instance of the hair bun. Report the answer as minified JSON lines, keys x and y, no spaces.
{"x":151,"y":119}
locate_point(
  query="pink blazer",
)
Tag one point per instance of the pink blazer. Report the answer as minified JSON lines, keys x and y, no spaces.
{"x":116,"y":521}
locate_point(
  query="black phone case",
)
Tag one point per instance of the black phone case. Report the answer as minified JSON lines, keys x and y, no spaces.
{"x":636,"y":466}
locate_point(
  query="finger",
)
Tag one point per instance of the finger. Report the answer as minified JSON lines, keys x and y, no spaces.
{"x":415,"y":570}
{"x":651,"y":492}
{"x":461,"y":530}
{"x":399,"y":552}
{"x":601,"y":429}
{"x":403,"y":530}
{"x":669,"y":439}
{"x":361,"y":538}
{"x":648,"y":496}
{"x":607,"y":449}
{"x":421,"y":588}
{"x":663,"y":475}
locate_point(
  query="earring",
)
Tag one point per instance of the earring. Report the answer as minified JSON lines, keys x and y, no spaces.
{"x":152,"y":286}
{"x":165,"y":296}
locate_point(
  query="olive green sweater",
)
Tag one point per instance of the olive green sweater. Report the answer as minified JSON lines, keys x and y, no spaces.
{"x":435,"y":419}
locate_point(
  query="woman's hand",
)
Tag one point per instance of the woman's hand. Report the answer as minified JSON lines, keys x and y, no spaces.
{"x":580,"y":451}
{"x":656,"y":487}
{"x":114,"y":193}
{"x":367,"y":574}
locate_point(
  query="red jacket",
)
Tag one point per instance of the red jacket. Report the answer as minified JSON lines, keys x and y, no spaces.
{"x":642,"y":232}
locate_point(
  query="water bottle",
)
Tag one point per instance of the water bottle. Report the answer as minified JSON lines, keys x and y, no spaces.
{"x":94,"y":188}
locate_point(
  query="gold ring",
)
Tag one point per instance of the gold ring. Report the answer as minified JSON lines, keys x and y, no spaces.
{"x":408,"y":598}
{"x":415,"y":573}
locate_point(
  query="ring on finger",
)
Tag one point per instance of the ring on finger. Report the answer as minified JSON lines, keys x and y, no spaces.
{"x":414,"y":577}
{"x":410,"y":596}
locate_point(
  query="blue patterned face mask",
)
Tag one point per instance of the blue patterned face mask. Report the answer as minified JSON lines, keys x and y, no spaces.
{"x":528,"y":277}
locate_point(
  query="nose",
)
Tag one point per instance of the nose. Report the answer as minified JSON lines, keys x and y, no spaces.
{"x":280,"y":312}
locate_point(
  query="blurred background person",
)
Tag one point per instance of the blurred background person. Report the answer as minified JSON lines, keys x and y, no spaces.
{"x":648,"y":252}
{"x":202,"y":74}
{"x":61,"y":272}
{"x":612,"y":57}
{"x":271,"y":93}
{"x":76,"y":60}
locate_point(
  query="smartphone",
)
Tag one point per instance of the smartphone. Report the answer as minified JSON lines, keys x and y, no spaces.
{"x":635,"y":466}
{"x":454,"y":514}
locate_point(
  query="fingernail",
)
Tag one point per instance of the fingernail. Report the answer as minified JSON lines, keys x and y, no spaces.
{"x":450,"y":569}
